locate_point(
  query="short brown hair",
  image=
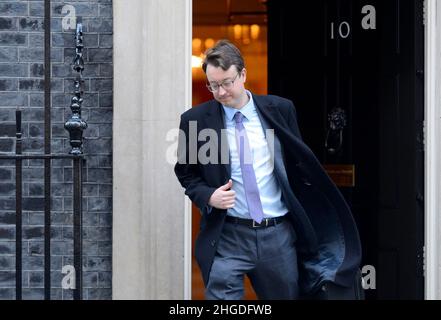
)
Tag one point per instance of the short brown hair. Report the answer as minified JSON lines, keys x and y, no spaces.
{"x":224,"y":54}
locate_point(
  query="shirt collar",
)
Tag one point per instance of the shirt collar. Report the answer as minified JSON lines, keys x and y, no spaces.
{"x":247,"y":110}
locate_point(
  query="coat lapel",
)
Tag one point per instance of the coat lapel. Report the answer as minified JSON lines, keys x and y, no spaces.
{"x":215,"y":120}
{"x":276,"y":121}
{"x":268,"y":111}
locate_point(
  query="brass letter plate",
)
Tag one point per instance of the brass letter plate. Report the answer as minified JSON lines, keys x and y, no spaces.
{"x":343,"y":175}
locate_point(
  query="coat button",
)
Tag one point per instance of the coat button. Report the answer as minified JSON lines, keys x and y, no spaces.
{"x":213,"y":243}
{"x":306,"y":182}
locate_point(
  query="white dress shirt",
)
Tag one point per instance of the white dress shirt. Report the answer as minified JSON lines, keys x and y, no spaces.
{"x":269,"y":189}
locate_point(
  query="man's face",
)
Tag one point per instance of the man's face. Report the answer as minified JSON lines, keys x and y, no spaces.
{"x":229,"y":94}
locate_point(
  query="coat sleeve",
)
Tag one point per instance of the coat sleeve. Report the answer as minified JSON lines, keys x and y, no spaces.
{"x":188,"y":173}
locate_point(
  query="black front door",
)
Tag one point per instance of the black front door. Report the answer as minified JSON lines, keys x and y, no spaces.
{"x":362,"y":62}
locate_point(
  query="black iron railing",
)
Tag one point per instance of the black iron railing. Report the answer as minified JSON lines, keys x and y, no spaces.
{"x":75,"y":126}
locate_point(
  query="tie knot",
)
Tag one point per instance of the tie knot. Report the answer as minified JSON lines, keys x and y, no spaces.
{"x":238,"y":117}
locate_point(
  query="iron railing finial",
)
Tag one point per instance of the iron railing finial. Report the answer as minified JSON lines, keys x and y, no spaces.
{"x":75,"y":125}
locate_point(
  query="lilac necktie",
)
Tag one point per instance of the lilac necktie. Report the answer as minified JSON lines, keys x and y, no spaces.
{"x":248,"y":176}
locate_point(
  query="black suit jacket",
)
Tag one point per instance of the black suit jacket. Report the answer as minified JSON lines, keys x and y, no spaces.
{"x":328,"y":244}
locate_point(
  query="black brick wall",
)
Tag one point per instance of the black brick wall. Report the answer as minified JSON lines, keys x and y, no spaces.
{"x":22,"y":85}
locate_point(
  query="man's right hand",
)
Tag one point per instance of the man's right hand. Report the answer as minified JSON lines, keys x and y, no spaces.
{"x":223,"y":197}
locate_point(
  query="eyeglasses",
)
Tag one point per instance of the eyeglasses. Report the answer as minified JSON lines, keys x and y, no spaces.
{"x":226,"y":84}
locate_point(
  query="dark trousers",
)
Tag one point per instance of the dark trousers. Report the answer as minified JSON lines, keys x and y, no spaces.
{"x":267,"y":255}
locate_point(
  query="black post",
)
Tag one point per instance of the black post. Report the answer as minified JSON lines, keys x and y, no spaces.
{"x":18,"y":208}
{"x":75,"y":125}
{"x":47,"y":149}
{"x":78,"y":239}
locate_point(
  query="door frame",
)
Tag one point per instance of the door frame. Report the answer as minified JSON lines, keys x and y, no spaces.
{"x":150,"y":224}
{"x":433,"y":150}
